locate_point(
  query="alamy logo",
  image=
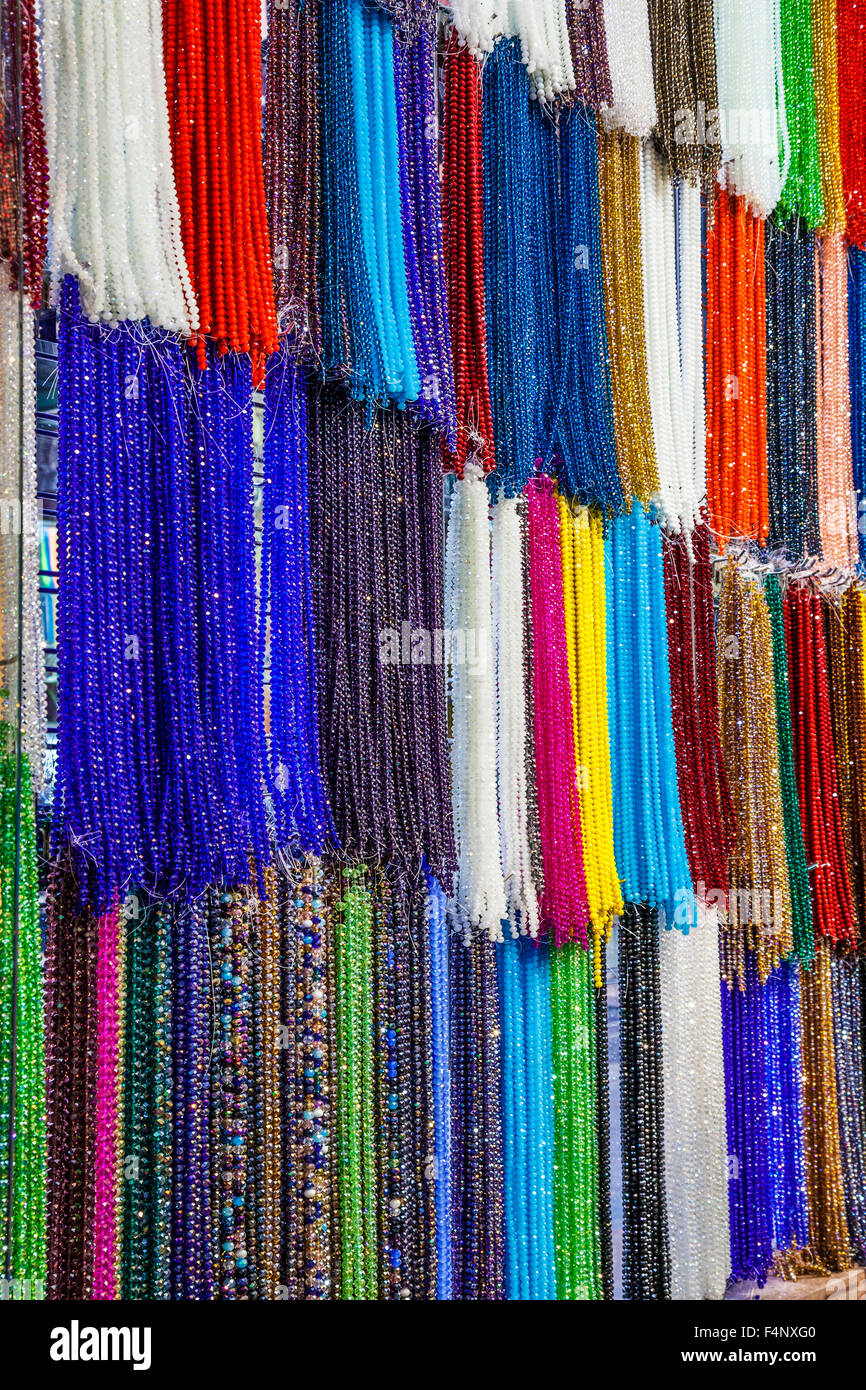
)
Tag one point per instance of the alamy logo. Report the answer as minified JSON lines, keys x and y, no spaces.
{"x":77,"y":1343}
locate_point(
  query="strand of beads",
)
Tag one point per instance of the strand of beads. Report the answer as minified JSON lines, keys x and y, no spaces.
{"x":22,"y":684}
{"x":798,"y":873}
{"x":191,"y":1012}
{"x":705,"y":798}
{"x":757,"y":907}
{"x":439,"y":930}
{"x":602,"y":1124}
{"x":755,"y":141}
{"x":22,"y":120}
{"x":829,"y":1238}
{"x":116,"y":222}
{"x":462,"y":213}
{"x":845,"y":689}
{"x":416,"y":88}
{"x":564,"y":908}
{"x":629,"y":52}
{"x":825,"y":55}
{"x":851,"y":53}
{"x":266,"y":1172}
{"x":836,"y":515}
{"x":69,"y":958}
{"x":791,"y":413}
{"x":684,"y":73}
{"x":646,"y":1251}
{"x":479,"y":890}
{"x":375,"y":499}
{"x":514,"y":739}
{"x":736,"y":373}
{"x":478,"y":1260}
{"x":802,"y":191}
{"x":587,"y":40}
{"x":291,"y":158}
{"x":649,"y":840}
{"x":671,"y":253}
{"x":528,"y":1159}
{"x":230,"y":948}
{"x":748,"y":1134}
{"x":582,"y":544}
{"x":356,"y":1142}
{"x":815,"y":759}
{"x":785,"y":1157}
{"x":857,"y":380}
{"x":286,"y":623}
{"x":847,"y":1040}
{"x":213,"y":67}
{"x":106,"y":1119}
{"x":622,"y":268}
{"x":312,"y":1008}
{"x":575,"y":422}
{"x":575,"y":1080}
{"x":694,"y":1114}
{"x":22,"y":1041}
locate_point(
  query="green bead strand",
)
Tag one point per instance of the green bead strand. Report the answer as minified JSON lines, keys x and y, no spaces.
{"x":801,"y":900}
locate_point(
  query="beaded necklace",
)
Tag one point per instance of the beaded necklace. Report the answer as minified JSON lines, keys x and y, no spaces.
{"x":736,"y":373}
{"x":646,"y":1249}
{"x":694,"y":1115}
{"x":851,"y":77}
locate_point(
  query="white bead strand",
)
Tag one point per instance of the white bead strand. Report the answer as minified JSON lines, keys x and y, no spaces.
{"x":478,"y":890}
{"x":511,"y":716}
{"x":115,"y":222}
